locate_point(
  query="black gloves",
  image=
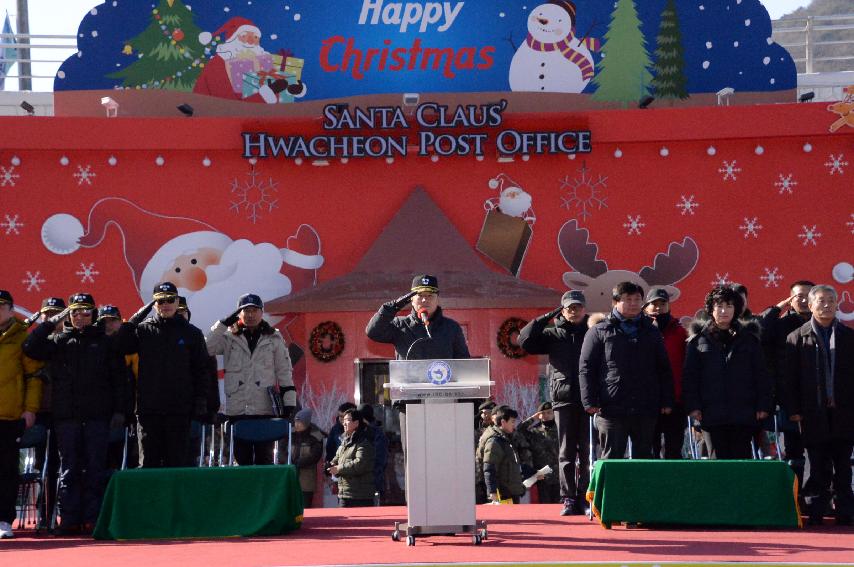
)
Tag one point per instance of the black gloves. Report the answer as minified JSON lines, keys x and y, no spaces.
{"x":296,"y":89}
{"x":401,"y":301}
{"x":278,"y":85}
{"x":554,"y":313}
{"x":56,"y":319}
{"x":142,"y":314}
{"x":231,"y":319}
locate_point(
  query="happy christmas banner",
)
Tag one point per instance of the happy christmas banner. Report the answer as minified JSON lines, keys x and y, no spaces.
{"x":613,"y":53}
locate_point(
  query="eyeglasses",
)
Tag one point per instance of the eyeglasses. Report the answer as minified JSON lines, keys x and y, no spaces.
{"x":169,"y":300}
{"x":81,"y":313}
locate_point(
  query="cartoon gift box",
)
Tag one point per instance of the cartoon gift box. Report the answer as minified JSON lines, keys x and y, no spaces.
{"x":507,"y":228}
{"x":239,"y":67}
{"x":253,"y":81}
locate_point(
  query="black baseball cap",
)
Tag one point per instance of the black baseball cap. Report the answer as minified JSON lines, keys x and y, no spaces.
{"x":544,"y":406}
{"x":52,"y":304}
{"x":425,"y":283}
{"x":6,"y":297}
{"x":655,"y":294}
{"x":486,"y":406}
{"x":250,"y":300}
{"x":165,"y":290}
{"x":573,"y":297}
{"x":109,"y":312}
{"x":81,"y":301}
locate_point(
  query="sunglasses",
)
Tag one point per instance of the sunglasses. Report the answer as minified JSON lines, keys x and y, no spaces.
{"x":81,"y":312}
{"x":169,"y":300}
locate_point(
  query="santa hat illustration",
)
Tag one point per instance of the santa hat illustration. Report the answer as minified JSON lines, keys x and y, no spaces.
{"x":230,"y":29}
{"x":152,"y":241}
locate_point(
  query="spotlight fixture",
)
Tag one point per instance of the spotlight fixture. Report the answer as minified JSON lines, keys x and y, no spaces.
{"x":645,"y":101}
{"x":28,"y":108}
{"x":411,"y":99}
{"x":186,"y":109}
{"x":110,"y":106}
{"x":806,"y":97}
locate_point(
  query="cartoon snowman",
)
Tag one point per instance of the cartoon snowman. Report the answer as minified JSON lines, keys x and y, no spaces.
{"x":552,"y":59}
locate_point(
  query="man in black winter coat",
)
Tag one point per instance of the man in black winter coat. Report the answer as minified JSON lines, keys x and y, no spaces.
{"x":172,"y":381}
{"x":562,"y":342}
{"x":819,"y":395}
{"x":625,"y":376}
{"x":413,"y":339}
{"x":88,"y":387}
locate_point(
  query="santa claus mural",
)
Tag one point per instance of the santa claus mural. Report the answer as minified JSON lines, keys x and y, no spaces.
{"x":209,"y":268}
{"x":243,"y":70}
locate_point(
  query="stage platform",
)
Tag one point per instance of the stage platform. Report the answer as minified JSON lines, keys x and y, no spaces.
{"x":522,"y":534}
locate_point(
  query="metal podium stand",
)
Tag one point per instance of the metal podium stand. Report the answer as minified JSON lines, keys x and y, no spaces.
{"x":439,"y":440}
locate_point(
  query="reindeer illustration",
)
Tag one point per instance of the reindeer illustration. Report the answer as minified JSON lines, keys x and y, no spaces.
{"x":593,"y":277}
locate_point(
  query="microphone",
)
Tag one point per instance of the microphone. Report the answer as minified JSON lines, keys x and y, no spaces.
{"x":422,"y":314}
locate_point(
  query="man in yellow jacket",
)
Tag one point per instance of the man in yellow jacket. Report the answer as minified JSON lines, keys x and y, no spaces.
{"x":20,"y":394}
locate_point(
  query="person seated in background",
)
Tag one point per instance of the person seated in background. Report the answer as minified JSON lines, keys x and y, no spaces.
{"x":353,"y":464}
{"x":306,"y":452}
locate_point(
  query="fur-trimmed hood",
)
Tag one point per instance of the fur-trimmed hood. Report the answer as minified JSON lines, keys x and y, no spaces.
{"x":595,"y":318}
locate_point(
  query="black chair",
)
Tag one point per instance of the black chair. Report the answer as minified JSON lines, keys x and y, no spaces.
{"x":260,"y":431}
{"x":31,"y":483}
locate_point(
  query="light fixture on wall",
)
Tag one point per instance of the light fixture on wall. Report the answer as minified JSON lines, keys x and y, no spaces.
{"x":28,"y":108}
{"x":110,"y":106}
{"x":186,"y":109}
{"x":646,"y":101}
{"x":806,"y":97}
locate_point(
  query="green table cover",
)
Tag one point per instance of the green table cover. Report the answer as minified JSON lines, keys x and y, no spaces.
{"x":201,"y":502}
{"x":702,"y":492}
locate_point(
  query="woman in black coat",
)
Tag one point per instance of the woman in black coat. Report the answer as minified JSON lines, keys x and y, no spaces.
{"x":725,"y":383}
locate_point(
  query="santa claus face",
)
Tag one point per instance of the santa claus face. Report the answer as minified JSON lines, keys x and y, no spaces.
{"x":549,"y":23}
{"x":249,"y":38}
{"x":514,"y":202}
{"x":188,"y":270}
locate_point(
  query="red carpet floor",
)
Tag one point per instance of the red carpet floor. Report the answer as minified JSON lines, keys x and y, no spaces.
{"x":527,"y":533}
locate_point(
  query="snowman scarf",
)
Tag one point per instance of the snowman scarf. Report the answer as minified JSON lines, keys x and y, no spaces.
{"x":584,"y":64}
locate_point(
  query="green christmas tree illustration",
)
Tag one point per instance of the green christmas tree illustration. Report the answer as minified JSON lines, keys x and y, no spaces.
{"x":669,"y":81}
{"x":169,"y":55}
{"x":624,"y":74}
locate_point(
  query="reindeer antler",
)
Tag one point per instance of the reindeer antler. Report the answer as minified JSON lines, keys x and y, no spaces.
{"x":670,"y":268}
{"x":577,"y":250}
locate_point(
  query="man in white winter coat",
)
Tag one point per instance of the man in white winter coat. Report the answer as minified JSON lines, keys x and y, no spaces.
{"x":255,"y":358}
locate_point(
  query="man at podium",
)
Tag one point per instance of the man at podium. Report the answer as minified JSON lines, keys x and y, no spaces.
{"x":425,"y":333}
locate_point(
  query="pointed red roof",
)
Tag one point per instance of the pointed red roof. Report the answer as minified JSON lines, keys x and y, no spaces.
{"x":387,"y":268}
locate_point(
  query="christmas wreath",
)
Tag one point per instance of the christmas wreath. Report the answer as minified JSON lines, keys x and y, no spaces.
{"x":508,"y":335}
{"x":326,"y":341}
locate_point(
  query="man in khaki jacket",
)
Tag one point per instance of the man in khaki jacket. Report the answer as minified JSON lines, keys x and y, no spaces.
{"x":20,"y":395}
{"x":255,"y":358}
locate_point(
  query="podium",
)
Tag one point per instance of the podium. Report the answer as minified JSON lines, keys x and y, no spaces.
{"x":440,"y":497}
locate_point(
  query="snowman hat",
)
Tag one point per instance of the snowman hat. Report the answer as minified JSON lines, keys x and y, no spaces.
{"x":151,"y":241}
{"x":567,"y":5}
{"x":230,"y":30}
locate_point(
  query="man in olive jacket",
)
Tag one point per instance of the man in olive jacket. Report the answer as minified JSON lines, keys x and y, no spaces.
{"x":562,"y":342}
{"x":501,"y":470}
{"x":20,"y":394}
{"x":819,"y":395}
{"x":353,"y":464}
{"x":255,"y":359}
{"x":172,"y":381}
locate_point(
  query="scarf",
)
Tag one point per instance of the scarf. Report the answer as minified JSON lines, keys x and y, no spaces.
{"x":584,"y":64}
{"x":628,"y":326}
{"x":825,"y":360}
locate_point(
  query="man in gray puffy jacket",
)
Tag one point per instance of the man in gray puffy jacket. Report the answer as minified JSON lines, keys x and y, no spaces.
{"x":255,"y":358}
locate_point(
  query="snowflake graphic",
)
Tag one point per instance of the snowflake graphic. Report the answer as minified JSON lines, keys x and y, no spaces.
{"x":850,"y":224}
{"x":721,"y":280}
{"x":634,"y":224}
{"x":253,"y":196}
{"x":809,"y":235}
{"x":8,"y":176}
{"x":33,"y":281}
{"x":772,"y":277}
{"x":85,"y":175}
{"x":687,"y":205}
{"x":785,"y":184}
{"x":836,"y":164}
{"x":12,"y":225}
{"x":584,"y":192}
{"x":87,"y":273}
{"x":751,"y":227}
{"x":730,"y":170}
